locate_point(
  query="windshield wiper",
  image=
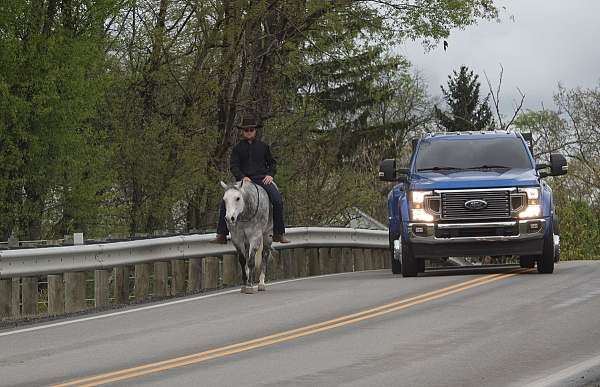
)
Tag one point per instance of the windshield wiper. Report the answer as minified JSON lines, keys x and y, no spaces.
{"x":440,"y":169}
{"x":491,"y":167}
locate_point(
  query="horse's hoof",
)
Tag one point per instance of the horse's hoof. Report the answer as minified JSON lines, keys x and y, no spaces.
{"x":249,"y":290}
{"x":243,"y":289}
{"x":261,"y":288}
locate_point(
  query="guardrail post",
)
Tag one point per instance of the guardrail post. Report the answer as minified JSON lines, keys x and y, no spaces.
{"x":121,"y":279}
{"x":290,"y":267}
{"x":368,"y":254}
{"x":376,"y":259}
{"x":324,"y":260}
{"x":141,"y":285}
{"x":210,"y":273}
{"x":231,"y":270}
{"x":16,"y":298}
{"x":313,"y":261}
{"x":359,"y":259}
{"x":385,"y":259}
{"x":178,"y":277}
{"x":194,"y":275}
{"x":56,"y":294}
{"x":161,"y":279}
{"x":382,"y":260}
{"x":101,"y":278}
{"x":336,"y":260}
{"x":347,"y":261}
{"x":275,"y":266}
{"x":74,"y":291}
{"x":299,"y":256}
{"x":5,"y":297}
{"x":29,"y":295}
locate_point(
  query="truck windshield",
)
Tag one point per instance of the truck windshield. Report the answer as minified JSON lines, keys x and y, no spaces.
{"x":485,"y":153}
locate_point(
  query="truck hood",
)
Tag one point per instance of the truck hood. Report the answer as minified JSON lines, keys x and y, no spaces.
{"x":489,"y":178}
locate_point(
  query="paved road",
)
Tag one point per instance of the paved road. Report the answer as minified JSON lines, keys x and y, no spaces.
{"x":471,"y":328}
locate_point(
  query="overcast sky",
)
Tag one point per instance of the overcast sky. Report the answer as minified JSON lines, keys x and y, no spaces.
{"x":538,"y":42}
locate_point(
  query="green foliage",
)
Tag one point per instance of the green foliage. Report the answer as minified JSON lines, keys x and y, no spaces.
{"x":51,"y":82}
{"x":467,"y":112}
{"x":580,"y":230}
{"x":118,"y":116}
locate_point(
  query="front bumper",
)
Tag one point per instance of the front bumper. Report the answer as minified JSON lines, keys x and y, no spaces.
{"x":518,"y":237}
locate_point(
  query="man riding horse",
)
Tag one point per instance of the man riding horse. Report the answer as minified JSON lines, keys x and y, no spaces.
{"x":252,"y":161}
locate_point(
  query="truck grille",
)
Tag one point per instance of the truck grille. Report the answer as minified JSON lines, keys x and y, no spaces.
{"x":453,"y":205}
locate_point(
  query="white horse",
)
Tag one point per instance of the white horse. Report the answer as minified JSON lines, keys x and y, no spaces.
{"x":250,"y":222}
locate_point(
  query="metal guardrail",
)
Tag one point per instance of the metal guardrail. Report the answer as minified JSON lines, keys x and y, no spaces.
{"x":41,"y":261}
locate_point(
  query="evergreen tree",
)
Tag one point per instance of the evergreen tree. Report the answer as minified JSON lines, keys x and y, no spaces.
{"x":466,"y":110}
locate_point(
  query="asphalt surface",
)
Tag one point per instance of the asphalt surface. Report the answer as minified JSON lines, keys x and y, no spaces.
{"x":478,"y":327}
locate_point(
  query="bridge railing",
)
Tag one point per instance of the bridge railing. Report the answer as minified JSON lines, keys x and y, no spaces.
{"x":52,"y":281}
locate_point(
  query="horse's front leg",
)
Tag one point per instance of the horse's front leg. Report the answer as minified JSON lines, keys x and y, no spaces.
{"x":266,"y":253}
{"x":244,"y":270}
{"x":253,"y":248}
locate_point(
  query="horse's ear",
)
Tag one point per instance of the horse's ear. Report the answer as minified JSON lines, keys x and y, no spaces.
{"x":224,"y":185}
{"x":239,"y":184}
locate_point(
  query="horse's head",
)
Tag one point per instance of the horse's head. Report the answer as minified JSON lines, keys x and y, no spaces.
{"x":234,"y":202}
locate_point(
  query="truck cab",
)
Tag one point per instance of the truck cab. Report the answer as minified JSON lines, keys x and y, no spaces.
{"x":472,"y":194}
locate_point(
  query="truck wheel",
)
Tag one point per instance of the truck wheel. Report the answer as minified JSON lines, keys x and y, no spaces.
{"x":396,"y":257}
{"x":410,"y":266}
{"x":545,"y":263}
{"x":527,"y":261}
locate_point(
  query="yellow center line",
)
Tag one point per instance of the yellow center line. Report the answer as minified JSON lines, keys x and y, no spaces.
{"x":286,"y":335}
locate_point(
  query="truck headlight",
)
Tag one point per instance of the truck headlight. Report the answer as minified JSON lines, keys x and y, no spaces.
{"x":417,"y":210}
{"x":533,"y":208}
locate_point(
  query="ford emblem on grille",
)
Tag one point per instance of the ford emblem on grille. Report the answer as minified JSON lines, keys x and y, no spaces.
{"x":475,"y":204}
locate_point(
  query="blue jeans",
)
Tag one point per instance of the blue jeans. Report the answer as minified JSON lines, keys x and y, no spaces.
{"x":276,"y":201}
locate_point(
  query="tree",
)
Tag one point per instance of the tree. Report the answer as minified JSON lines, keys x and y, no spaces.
{"x":467,"y":112}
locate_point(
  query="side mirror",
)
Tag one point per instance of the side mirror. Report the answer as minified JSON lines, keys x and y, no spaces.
{"x":387,"y":170}
{"x":558,"y":164}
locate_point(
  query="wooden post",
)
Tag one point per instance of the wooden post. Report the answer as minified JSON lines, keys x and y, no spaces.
{"x":210,"y":273}
{"x":368,"y":259}
{"x":194,"y":275}
{"x":347,"y":260}
{"x":324,"y":260}
{"x":290,"y":268}
{"x":301,"y":259}
{"x":275,"y":268}
{"x":385,"y":258}
{"x":101,"y":278}
{"x":231,"y":270}
{"x":56,"y":294}
{"x":141,"y":284}
{"x":359,"y":259}
{"x":16,"y":298}
{"x":336,"y":260}
{"x":121,"y":279}
{"x":178,"y":277}
{"x":161,"y":279}
{"x":381,"y":259}
{"x":314,"y":268}
{"x":5,"y":297}
{"x":74,"y":291}
{"x":29,"y":296}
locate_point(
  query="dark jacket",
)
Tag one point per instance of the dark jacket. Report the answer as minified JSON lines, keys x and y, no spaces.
{"x":252,"y":159}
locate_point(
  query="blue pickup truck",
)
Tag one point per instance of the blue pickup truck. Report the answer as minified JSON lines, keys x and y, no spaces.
{"x":472,"y":194}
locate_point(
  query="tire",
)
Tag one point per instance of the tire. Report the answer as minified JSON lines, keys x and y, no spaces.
{"x":527,"y":261}
{"x":396,"y":263}
{"x":545,"y":263}
{"x":410,"y":265}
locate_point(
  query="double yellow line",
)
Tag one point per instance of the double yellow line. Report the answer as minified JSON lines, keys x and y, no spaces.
{"x":286,"y":335}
